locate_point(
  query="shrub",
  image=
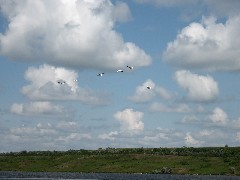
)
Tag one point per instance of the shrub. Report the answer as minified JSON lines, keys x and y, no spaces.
{"x":232,"y":170}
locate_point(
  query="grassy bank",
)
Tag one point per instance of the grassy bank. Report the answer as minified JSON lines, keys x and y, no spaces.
{"x":218,"y":160}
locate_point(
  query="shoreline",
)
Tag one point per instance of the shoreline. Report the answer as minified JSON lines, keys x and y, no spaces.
{"x":78,"y":175}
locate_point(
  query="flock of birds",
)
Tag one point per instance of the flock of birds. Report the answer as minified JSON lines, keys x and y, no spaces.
{"x":101,"y":74}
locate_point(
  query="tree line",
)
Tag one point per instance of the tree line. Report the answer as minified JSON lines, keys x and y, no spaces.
{"x":183,"y":151}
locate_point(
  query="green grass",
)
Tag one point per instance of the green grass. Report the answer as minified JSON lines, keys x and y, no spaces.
{"x":118,"y":161}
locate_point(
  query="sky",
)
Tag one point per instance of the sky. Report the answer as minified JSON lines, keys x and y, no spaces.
{"x":52,"y":51}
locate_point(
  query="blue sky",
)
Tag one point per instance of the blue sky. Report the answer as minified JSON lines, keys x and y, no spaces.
{"x":186,"y":51}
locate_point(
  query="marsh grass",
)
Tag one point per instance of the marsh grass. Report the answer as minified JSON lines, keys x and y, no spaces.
{"x":127,"y":161}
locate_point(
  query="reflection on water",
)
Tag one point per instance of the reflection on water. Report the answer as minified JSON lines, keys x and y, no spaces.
{"x":41,"y":179}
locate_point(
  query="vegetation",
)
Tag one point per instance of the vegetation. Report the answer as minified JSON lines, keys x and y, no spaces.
{"x":185,"y":160}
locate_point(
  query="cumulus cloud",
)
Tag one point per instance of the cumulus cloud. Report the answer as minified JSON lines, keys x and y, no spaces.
{"x":236,"y":123}
{"x":207,"y":45}
{"x":122,"y":12}
{"x":219,"y":117}
{"x":142,"y":94}
{"x":206,"y":133}
{"x":198,"y":87}
{"x":162,"y":92}
{"x":44,"y":86}
{"x":74,"y":137}
{"x":217,"y":137}
{"x":45,"y":136}
{"x":30,"y":132}
{"x":152,"y":138}
{"x":213,"y":137}
{"x":108,"y":136}
{"x":68,"y":126}
{"x":238,"y":136}
{"x":130,"y":120}
{"x":77,"y":34}
{"x":223,"y":7}
{"x":36,"y":108}
{"x":163,"y":137}
{"x":190,"y":119}
{"x":191,"y":141}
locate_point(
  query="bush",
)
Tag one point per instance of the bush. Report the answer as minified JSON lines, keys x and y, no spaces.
{"x":166,"y":170}
{"x":163,"y":170}
{"x":232,"y":170}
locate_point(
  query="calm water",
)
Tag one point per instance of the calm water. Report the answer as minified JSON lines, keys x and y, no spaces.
{"x":111,"y":176}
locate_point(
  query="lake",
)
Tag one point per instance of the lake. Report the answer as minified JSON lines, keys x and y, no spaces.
{"x":112,"y":176}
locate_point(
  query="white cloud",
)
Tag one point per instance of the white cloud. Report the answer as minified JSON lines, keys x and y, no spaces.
{"x":216,"y":119}
{"x":121,"y":12}
{"x":238,"y":136}
{"x":77,"y":34}
{"x":152,"y":138}
{"x":45,"y":136}
{"x":36,"y":108}
{"x":206,"y":133}
{"x":108,"y":136}
{"x":236,"y":123}
{"x":142,"y":94}
{"x":162,"y":92}
{"x":219,"y":117}
{"x":212,"y":137}
{"x":62,"y":135}
{"x":44,"y":86}
{"x":207,"y":45}
{"x":130,"y":120}
{"x":156,"y":138}
{"x":198,"y":87}
{"x":44,"y":125}
{"x":189,"y":119}
{"x":163,"y":138}
{"x":191,"y":141}
{"x":223,"y":7}
{"x":68,"y":126}
{"x":74,"y":137}
{"x":31,"y":132}
{"x":160,"y":107}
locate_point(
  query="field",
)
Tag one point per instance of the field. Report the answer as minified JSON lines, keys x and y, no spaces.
{"x":185,"y":160}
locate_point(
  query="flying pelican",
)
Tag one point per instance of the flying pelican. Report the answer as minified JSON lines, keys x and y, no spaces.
{"x":130,"y":67}
{"x":61,"y":82}
{"x":149,"y":87}
{"x":119,"y":70}
{"x":100,"y":74}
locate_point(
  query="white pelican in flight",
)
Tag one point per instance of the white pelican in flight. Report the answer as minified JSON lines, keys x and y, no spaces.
{"x":61,"y":82}
{"x":100,"y":74}
{"x":130,"y":67}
